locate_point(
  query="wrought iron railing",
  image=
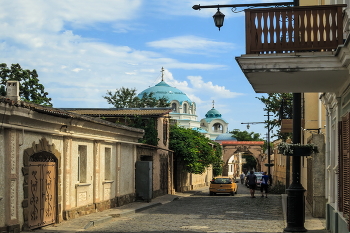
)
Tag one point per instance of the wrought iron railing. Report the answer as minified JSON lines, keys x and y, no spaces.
{"x":292,"y":29}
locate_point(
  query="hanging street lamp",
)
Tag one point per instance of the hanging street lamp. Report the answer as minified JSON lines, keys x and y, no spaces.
{"x":219,"y":19}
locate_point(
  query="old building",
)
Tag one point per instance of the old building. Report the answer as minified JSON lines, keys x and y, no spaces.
{"x":59,"y":165}
{"x":309,"y":54}
{"x":159,"y":156}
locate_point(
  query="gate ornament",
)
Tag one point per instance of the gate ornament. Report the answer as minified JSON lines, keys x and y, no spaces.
{"x":297,"y":149}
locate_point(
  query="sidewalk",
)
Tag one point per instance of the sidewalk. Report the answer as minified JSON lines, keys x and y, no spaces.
{"x":313,"y":225}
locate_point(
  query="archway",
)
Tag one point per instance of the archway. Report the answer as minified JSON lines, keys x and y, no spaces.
{"x":41,"y":182}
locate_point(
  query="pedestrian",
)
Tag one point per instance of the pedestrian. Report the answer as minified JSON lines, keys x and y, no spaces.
{"x":242,"y":176}
{"x":251,"y":179}
{"x":264,"y":184}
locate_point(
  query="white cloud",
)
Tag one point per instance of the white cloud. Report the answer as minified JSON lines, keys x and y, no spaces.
{"x":191,"y":44}
{"x":77,"y":70}
{"x":208,"y":87}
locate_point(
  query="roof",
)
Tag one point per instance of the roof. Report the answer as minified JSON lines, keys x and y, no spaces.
{"x":213,"y":114}
{"x":225,"y":137}
{"x":162,"y":89}
{"x":120,"y":111}
{"x":62,"y":113}
{"x":252,"y":143}
{"x":200,"y":130}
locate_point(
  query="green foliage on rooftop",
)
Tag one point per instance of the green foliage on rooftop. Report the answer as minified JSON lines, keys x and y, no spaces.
{"x":195,"y":151}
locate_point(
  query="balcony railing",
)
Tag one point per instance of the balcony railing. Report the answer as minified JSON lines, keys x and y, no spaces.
{"x":292,"y":29}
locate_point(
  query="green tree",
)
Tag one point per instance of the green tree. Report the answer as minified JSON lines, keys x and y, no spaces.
{"x":30,"y":89}
{"x":280,"y":105}
{"x":245,"y":135}
{"x":127,"y":98}
{"x":250,"y":162}
{"x":148,"y":124}
{"x":194,"y":150}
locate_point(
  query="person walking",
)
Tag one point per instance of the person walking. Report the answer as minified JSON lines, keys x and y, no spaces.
{"x":242,"y":176}
{"x":264,"y":184}
{"x":251,"y":179}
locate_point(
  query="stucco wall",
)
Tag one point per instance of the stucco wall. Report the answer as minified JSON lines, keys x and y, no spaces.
{"x":2,"y":179}
{"x":127,"y":169}
{"x":26,"y":132}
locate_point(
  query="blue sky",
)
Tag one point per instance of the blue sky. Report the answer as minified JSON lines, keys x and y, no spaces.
{"x":82,"y":48}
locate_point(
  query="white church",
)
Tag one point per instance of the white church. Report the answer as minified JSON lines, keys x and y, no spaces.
{"x":184,"y":111}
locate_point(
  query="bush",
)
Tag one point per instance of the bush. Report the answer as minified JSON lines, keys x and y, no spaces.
{"x":278,"y":188}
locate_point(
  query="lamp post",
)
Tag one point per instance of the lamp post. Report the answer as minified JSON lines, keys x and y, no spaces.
{"x":295,"y":198}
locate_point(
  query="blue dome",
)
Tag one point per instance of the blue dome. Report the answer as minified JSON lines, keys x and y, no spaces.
{"x":213,"y":113}
{"x":162,"y":89}
{"x":225,"y":137}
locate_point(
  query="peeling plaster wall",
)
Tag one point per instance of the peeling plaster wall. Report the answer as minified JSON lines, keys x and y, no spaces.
{"x":127,"y":169}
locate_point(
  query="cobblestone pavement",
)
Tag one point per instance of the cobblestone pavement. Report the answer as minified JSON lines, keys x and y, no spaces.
{"x":193,"y":211}
{"x":203,"y":213}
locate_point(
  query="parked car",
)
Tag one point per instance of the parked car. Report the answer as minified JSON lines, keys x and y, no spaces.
{"x":223,"y":184}
{"x":258,"y":179}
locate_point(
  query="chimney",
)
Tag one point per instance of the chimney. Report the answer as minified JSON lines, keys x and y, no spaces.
{"x":12,"y":90}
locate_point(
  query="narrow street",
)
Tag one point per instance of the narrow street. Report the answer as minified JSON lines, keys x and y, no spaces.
{"x":203,"y":213}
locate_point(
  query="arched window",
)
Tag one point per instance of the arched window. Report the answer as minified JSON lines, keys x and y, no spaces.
{"x":174,"y":107}
{"x":218,"y":128}
{"x":185,"y":108}
{"x":165,"y":131}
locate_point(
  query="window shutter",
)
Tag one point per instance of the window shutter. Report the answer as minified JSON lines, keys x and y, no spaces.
{"x":344,"y":168}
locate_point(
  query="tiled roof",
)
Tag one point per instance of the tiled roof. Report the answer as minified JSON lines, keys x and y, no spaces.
{"x":120,"y":111}
{"x":62,"y":113}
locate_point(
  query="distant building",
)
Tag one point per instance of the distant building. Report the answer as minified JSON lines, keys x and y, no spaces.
{"x":184,"y":110}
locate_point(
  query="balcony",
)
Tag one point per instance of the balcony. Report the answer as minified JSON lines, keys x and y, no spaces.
{"x":295,"y":49}
{"x":291,"y":29}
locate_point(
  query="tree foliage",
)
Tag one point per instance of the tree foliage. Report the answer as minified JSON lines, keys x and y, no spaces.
{"x":273,"y":104}
{"x":127,"y":98}
{"x":30,"y":89}
{"x":194,"y":150}
{"x":245,"y":135}
{"x":250,"y":162}
{"x":148,"y":125}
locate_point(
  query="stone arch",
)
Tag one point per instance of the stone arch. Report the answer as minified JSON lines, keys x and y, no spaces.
{"x":40,"y":151}
{"x":231,"y":166}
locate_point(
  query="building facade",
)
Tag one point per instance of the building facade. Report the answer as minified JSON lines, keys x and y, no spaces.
{"x":63,"y":164}
{"x":314,"y":61}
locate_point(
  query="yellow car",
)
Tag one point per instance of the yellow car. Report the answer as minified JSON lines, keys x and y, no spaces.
{"x":223,"y":184}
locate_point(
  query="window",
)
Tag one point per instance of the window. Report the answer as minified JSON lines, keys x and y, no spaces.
{"x":217,"y":128}
{"x":108,"y":155}
{"x":82,"y":163}
{"x":174,"y":107}
{"x":185,"y":108}
{"x":165,"y":131}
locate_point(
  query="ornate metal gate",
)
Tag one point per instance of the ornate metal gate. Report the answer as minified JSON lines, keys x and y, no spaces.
{"x":42,"y":193}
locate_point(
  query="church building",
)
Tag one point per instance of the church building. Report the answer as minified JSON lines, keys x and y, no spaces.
{"x":184,"y":110}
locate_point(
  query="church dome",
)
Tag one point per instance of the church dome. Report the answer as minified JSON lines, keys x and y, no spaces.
{"x":162,"y":89}
{"x":225,"y":137}
{"x":213,"y":113}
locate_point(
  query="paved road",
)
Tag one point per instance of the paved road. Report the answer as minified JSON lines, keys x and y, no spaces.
{"x":203,"y":213}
